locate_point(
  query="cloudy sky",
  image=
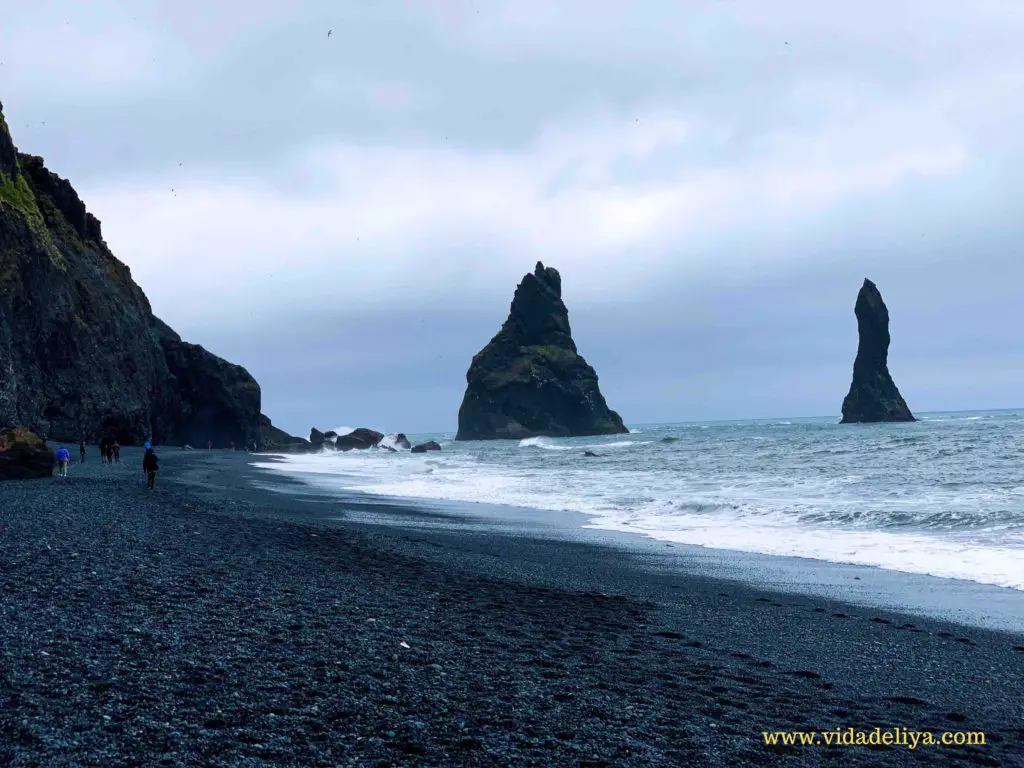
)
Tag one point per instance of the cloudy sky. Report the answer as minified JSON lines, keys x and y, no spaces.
{"x":347,"y":215}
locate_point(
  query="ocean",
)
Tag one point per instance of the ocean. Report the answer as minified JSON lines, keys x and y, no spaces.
{"x":943,"y":496}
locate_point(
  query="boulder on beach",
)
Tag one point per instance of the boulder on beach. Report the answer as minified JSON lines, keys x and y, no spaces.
{"x":530,"y":380}
{"x":430,"y":445}
{"x":330,"y":435}
{"x":873,"y":395}
{"x":316,"y":438}
{"x":359,"y":439}
{"x":23,"y":455}
{"x":402,"y":441}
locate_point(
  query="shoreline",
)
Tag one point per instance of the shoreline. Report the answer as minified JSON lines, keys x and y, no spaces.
{"x":960,"y":601}
{"x":211,"y":622}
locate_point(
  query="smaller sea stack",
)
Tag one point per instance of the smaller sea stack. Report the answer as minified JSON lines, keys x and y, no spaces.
{"x":873,"y":395}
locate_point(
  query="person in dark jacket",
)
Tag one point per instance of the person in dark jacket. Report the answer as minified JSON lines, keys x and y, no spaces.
{"x":81,"y":450}
{"x":150,"y":466}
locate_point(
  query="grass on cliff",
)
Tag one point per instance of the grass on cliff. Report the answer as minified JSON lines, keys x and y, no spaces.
{"x":17,"y":435}
{"x":16,"y":193}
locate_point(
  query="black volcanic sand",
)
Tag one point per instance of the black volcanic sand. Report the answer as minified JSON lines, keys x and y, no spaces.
{"x":204,"y":624}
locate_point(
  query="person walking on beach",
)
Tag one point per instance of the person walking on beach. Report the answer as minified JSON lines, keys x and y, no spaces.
{"x":150,"y":466}
{"x":117,"y":451}
{"x":63,"y":458}
{"x":103,"y":450}
{"x":81,"y":450}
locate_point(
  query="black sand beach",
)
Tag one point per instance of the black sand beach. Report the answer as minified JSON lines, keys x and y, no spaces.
{"x":212,"y":623}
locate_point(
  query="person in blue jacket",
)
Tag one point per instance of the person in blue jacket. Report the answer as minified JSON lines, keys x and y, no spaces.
{"x":63,"y":459}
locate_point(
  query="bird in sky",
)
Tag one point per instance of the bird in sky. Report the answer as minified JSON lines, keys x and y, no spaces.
{"x":329,"y":32}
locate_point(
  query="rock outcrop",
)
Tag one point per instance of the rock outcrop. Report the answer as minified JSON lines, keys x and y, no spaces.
{"x":402,"y":441}
{"x":530,"y":380}
{"x":873,"y":395}
{"x":278,"y":439}
{"x":81,"y":353}
{"x":211,"y":399}
{"x":359,"y":439}
{"x":24,"y":456}
{"x":430,"y":445}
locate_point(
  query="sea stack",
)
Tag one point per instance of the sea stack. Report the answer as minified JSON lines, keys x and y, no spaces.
{"x":530,"y":381}
{"x":873,"y":395}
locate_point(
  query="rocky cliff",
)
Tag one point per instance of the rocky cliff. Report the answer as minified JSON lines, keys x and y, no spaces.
{"x":275,"y":438}
{"x":81,"y":354}
{"x":873,"y":394}
{"x":530,"y":380}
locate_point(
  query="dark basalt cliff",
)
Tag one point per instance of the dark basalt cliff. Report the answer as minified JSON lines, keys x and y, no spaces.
{"x":530,"y":380}
{"x":273,"y":437}
{"x":81,"y":354}
{"x":873,"y":394}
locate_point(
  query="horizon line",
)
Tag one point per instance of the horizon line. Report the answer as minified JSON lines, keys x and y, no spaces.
{"x":758,"y":418}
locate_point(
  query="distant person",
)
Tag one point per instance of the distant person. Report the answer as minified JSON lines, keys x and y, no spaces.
{"x":63,"y":458}
{"x":209,"y":445}
{"x":117,"y":451}
{"x":150,"y":466}
{"x":81,"y":450}
{"x":103,"y":450}
{"x":232,"y":445}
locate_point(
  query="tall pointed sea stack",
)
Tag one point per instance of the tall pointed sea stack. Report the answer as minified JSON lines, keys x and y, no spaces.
{"x":530,"y":380}
{"x":873,"y":394}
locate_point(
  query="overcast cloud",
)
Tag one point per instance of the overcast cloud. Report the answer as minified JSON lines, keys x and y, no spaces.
{"x":348,"y":216}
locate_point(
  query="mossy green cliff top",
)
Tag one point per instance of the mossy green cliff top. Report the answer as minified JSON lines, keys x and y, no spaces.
{"x":81,"y":354}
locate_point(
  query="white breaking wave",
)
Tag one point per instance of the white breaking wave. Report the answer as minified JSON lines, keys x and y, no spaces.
{"x":542,"y":442}
{"x":904,"y":499}
{"x":907,"y":552}
{"x":549,"y":444}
